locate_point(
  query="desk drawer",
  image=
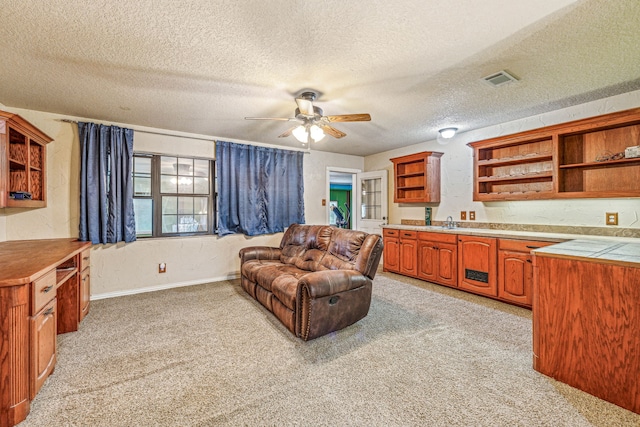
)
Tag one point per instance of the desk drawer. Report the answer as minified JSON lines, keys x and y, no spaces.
{"x":43,"y":290}
{"x":85,"y":260}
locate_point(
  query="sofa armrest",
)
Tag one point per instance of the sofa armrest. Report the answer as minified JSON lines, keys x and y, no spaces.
{"x":329,"y":282}
{"x":330,"y":300}
{"x":259,"y":252}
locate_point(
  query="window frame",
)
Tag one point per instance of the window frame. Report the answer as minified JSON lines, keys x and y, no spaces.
{"x":156,"y":197}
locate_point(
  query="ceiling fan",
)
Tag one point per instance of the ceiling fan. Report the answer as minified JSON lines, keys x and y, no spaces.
{"x":313,"y":124}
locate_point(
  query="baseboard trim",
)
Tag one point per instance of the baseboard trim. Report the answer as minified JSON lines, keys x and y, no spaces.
{"x":162,"y":287}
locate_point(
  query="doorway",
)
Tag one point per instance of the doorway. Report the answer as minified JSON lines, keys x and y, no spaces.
{"x":341,"y":185}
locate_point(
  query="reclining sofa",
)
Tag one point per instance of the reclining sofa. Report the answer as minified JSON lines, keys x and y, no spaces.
{"x":318,"y":280}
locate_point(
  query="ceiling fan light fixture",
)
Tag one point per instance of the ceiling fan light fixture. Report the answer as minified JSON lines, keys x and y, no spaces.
{"x":300,"y":133}
{"x":447,"y":133}
{"x":316,"y":133}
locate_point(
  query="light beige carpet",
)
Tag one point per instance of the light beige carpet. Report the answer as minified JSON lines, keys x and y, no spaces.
{"x":209,"y":355}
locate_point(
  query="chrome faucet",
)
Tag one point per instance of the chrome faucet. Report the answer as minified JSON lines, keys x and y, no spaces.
{"x":449,"y":223}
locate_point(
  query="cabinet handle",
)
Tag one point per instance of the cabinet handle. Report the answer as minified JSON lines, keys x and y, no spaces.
{"x":47,"y":289}
{"x":529,"y":261}
{"x":533,"y":247}
{"x":49,"y":311}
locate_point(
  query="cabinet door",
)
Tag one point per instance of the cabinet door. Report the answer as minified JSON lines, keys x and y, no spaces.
{"x":427,"y":260}
{"x":408,"y":257}
{"x":43,"y":346}
{"x":447,"y":264}
{"x":515,"y":277}
{"x":477,"y":265}
{"x":391,"y":254}
{"x":85,"y":293}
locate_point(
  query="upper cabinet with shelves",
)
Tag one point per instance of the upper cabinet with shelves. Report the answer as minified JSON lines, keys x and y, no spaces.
{"x":417,"y":178}
{"x":23,"y":163}
{"x":579,"y":159}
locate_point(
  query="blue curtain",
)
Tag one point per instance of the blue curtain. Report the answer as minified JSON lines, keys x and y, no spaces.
{"x":106,"y":184}
{"x":260,"y":190}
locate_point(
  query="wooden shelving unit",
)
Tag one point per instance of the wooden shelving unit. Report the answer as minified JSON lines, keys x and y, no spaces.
{"x":22,"y":161}
{"x":417,"y":178}
{"x":570,"y":160}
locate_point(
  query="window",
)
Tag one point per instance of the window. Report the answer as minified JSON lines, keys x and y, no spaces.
{"x":173,"y":196}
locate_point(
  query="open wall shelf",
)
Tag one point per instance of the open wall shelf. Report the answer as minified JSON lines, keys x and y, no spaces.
{"x":580,"y":159}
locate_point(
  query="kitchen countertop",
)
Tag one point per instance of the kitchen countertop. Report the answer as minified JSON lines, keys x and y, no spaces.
{"x":511,"y":234}
{"x":619,"y":253}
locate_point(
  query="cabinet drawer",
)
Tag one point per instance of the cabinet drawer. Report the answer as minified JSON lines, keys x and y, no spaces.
{"x":521,"y":245}
{"x":389,"y":232}
{"x":408,"y":234}
{"x":438,"y":237}
{"x":43,"y":290}
{"x":85,"y":259}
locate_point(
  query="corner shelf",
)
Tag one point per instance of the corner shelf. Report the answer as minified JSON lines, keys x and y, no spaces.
{"x":23,"y":157}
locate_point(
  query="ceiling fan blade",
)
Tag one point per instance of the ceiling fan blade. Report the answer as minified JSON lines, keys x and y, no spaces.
{"x":284,"y":119}
{"x":332,"y":131}
{"x":305,"y":106}
{"x":349,"y":118}
{"x":287,"y":133}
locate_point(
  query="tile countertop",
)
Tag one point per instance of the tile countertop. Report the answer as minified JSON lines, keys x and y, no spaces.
{"x":512,"y":234}
{"x":619,"y":253}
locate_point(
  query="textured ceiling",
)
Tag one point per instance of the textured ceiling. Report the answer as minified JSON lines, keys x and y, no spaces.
{"x":201,"y":66}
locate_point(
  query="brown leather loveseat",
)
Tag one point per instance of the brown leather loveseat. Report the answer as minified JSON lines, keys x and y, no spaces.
{"x":318,"y":280}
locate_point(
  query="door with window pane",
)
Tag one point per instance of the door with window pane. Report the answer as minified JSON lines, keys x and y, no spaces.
{"x":372,"y":201}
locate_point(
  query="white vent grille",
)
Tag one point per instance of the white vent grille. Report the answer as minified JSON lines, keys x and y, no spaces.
{"x":498,"y":79}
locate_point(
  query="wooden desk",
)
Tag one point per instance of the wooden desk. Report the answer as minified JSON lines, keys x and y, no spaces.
{"x":44,"y":290}
{"x":586,"y":318}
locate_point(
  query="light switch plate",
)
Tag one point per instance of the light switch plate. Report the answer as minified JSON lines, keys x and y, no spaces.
{"x":463,"y":215}
{"x":612,"y":218}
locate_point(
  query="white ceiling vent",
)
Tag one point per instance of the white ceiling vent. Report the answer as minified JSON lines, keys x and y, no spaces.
{"x":498,"y":79}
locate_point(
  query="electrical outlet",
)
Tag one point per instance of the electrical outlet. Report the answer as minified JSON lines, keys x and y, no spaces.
{"x":324,"y":202}
{"x":472,"y":215}
{"x":162,"y":267}
{"x":612,"y":218}
{"x":463,"y":215}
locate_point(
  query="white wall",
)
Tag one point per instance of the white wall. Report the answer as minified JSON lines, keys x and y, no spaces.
{"x":457,"y":178}
{"x":123,"y":268}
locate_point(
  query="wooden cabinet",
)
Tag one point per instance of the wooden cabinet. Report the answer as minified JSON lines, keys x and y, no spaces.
{"x":417,"y":178}
{"x":408,"y":253}
{"x":515,"y":270}
{"x":586,"y":321}
{"x":43,"y":346}
{"x":22,"y":163}
{"x":391,"y":251}
{"x":579,"y":159}
{"x":438,"y":258}
{"x":38,"y":299}
{"x":477,"y":265}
